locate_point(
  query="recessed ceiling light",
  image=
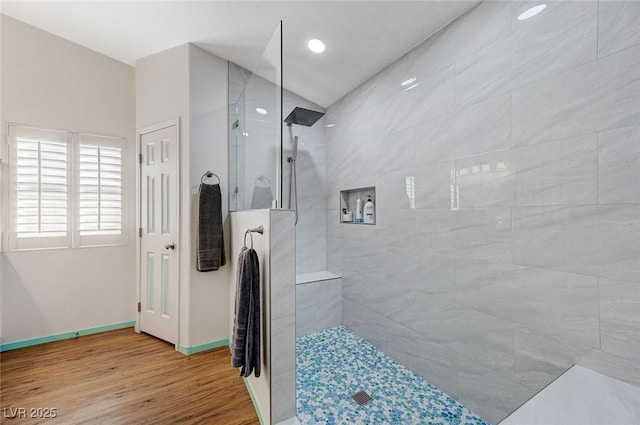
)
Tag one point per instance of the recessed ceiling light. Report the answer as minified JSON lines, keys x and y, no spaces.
{"x":409,"y":81}
{"x":331,"y":125}
{"x":316,"y":46}
{"x":531,"y":12}
{"x":261,"y":111}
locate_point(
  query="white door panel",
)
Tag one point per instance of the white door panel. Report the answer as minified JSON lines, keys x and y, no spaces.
{"x":158,"y":243}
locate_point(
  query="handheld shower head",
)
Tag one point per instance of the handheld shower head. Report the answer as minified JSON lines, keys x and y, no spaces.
{"x":294,"y":154}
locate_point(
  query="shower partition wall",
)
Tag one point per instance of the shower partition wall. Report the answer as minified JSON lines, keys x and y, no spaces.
{"x":255,"y":131}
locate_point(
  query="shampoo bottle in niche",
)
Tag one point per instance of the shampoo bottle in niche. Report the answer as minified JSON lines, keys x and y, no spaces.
{"x":358,"y":210}
{"x":369,"y":216}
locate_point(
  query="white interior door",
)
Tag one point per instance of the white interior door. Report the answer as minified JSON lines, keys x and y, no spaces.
{"x":159,"y":233}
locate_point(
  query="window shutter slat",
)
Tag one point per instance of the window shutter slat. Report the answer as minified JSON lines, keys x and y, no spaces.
{"x":41,"y":187}
{"x":100,"y":190}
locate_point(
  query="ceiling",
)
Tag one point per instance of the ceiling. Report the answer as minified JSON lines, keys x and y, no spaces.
{"x":362,"y":37}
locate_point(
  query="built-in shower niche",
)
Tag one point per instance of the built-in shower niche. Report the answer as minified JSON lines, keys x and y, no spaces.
{"x":348,"y":203}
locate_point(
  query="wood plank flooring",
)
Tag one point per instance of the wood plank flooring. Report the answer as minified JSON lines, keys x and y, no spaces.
{"x":122,"y":378}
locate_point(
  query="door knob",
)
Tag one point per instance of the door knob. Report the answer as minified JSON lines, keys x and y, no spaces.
{"x":170,"y":246}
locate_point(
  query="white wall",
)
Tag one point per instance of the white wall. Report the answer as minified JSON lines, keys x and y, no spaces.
{"x":162,"y":94}
{"x":208,"y":107}
{"x":188,"y":83}
{"x":52,"y":83}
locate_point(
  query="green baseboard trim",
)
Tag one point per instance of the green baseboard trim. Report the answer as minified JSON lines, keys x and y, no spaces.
{"x":65,"y":335}
{"x":255,"y":401}
{"x":188,"y":350}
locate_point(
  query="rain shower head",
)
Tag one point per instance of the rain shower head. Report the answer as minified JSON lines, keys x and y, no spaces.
{"x":302,"y":116}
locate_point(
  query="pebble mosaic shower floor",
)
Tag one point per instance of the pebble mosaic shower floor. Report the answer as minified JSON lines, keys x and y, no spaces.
{"x":334,"y":364}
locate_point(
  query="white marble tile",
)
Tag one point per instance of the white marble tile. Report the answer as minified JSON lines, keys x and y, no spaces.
{"x":619,"y":166}
{"x":568,"y":27}
{"x":434,"y":363}
{"x":485,"y":74}
{"x":401,"y":143}
{"x":620,"y":318}
{"x":351,"y":288}
{"x":539,"y":359}
{"x":597,"y":96}
{"x":466,"y":233}
{"x":611,"y":365}
{"x":395,"y":190}
{"x":595,"y":240}
{"x":563,"y":172}
{"x":290,"y":421}
{"x":431,"y":185}
{"x":365,"y":323}
{"x":283,"y":242}
{"x":581,"y":397}
{"x":396,"y":227}
{"x":485,"y":180}
{"x":553,"y":303}
{"x":485,"y":24}
{"x":318,"y":306}
{"x":561,"y":37}
{"x":618,"y":26}
{"x":283,"y":278}
{"x":491,"y":395}
{"x":381,"y":296}
{"x":283,"y":344}
{"x":428,"y":314}
{"x":311,"y":237}
{"x":486,"y":339}
{"x":283,"y":395}
{"x":474,"y":130}
{"x":428,"y":97}
{"x":415,"y":270}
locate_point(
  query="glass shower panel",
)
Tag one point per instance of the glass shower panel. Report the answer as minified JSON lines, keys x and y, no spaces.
{"x":255,"y":133}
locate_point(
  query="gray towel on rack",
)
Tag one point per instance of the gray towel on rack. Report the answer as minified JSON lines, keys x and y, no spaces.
{"x":210,"y":240}
{"x":262,"y":197}
{"x":246,"y":323}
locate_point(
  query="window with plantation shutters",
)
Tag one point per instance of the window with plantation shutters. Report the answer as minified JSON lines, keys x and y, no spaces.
{"x":65,"y":189}
{"x":99,"y":189}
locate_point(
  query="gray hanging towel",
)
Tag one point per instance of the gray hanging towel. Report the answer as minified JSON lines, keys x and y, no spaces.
{"x":246,"y":322}
{"x":262,"y":197}
{"x":210,"y":240}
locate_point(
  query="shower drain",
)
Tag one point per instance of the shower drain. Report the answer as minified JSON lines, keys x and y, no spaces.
{"x":362,"y":398}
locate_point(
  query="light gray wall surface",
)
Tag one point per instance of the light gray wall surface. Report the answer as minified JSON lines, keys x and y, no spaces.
{"x":508,"y":211}
{"x":51,"y":83}
{"x":318,"y":306}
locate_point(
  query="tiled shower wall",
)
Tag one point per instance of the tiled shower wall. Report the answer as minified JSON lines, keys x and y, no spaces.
{"x":311,"y":246}
{"x":507,"y":243}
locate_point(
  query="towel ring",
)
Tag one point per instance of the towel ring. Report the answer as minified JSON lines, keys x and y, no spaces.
{"x":259,"y":229}
{"x":207,"y":175}
{"x":263,"y":178}
{"x":248,"y":232}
